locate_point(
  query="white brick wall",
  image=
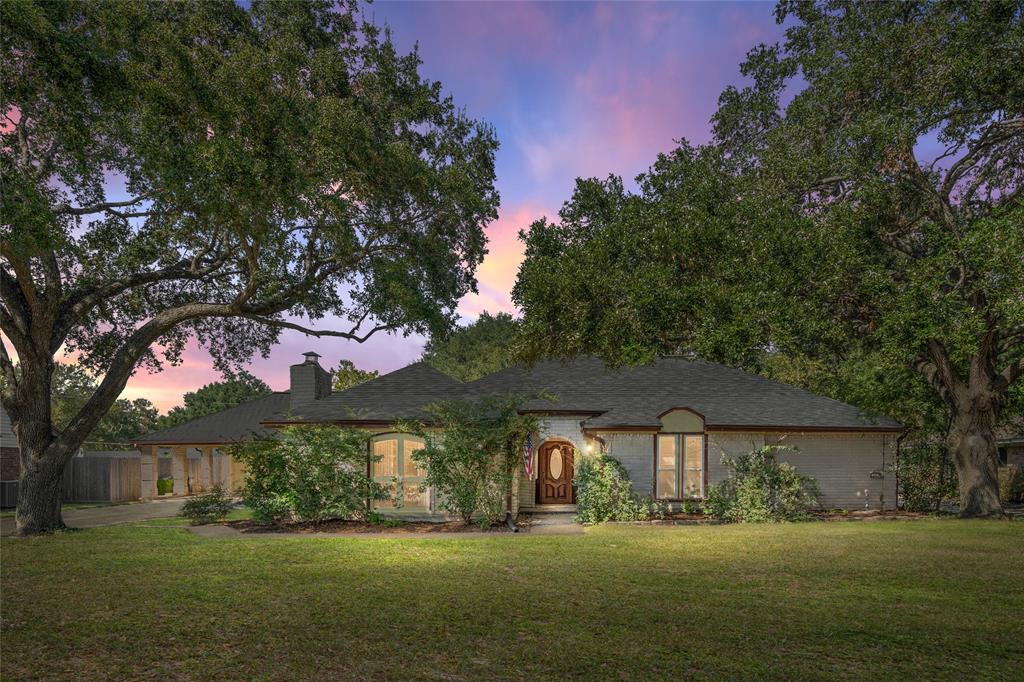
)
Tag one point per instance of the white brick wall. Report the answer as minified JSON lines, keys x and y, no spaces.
{"x":728,"y":445}
{"x":840,"y":463}
{"x":565,"y":428}
{"x":636,"y":452}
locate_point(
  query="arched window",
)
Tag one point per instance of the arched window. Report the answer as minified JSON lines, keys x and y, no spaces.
{"x":680,"y":455}
{"x":395,"y":469}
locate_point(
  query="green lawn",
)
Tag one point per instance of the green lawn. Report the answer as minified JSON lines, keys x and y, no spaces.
{"x":925,"y":599}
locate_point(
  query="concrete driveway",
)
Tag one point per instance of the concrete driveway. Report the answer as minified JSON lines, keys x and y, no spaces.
{"x":91,"y":517}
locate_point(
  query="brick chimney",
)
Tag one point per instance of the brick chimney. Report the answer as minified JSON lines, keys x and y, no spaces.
{"x":309,"y":382}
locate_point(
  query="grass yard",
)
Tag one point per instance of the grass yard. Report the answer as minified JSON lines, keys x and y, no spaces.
{"x":925,"y":599}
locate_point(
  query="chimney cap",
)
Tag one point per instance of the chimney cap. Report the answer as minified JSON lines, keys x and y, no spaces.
{"x":311,"y":356}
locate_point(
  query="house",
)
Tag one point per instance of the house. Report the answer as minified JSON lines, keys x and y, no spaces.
{"x":669,"y":423}
{"x":10,"y":462}
{"x":1011,"y":449}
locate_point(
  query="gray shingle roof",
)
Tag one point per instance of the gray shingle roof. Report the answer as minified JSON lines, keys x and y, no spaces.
{"x":605,"y":398}
{"x":237,"y":423}
{"x":399,"y":395}
{"x":636,"y":396}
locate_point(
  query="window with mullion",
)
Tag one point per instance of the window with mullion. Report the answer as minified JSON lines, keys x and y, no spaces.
{"x":680,"y":466}
{"x":395,"y":467}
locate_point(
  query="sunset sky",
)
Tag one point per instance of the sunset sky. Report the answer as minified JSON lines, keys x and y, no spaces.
{"x":573,"y":89}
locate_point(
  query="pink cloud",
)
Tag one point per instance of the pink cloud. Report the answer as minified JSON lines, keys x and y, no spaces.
{"x":497,"y":274}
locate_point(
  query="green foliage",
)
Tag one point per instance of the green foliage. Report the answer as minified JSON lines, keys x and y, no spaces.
{"x":472,"y":451}
{"x":1011,"y":484}
{"x":348,"y":375}
{"x":476,"y":350}
{"x":927,"y":476}
{"x":236,"y":389}
{"x":605,"y":493}
{"x":216,"y":172}
{"x":307,"y":473}
{"x":164,"y":486}
{"x":378,"y":519}
{"x":819,"y":229}
{"x":760,"y":489}
{"x":213,"y":505}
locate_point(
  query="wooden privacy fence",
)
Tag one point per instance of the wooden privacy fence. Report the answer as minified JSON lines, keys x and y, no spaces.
{"x":102,"y":479}
{"x":115,"y":478}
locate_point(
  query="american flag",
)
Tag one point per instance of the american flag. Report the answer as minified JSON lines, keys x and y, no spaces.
{"x":528,"y":456}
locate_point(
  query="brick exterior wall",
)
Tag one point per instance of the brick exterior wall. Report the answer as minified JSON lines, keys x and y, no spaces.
{"x":10,"y":464}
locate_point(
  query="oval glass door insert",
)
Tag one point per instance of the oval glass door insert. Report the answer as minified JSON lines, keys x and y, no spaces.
{"x":555,"y":463}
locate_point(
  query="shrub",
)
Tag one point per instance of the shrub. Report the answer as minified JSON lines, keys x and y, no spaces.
{"x":213,"y":505}
{"x":1011,"y":484}
{"x":472,"y":453}
{"x":927,"y":476}
{"x":308,"y":473}
{"x":164,"y":486}
{"x":760,"y":489}
{"x":605,"y":493}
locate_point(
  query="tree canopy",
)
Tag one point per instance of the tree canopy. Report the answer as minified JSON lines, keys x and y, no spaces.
{"x":347,"y":375}
{"x":858,"y":207}
{"x":480,"y":348}
{"x":209,"y":171}
{"x":215,"y":396}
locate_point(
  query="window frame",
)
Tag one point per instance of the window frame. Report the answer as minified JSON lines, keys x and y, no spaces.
{"x":680,"y":442}
{"x":399,"y":477}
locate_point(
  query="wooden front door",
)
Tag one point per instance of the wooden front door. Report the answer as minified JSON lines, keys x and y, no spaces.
{"x":554,"y":474}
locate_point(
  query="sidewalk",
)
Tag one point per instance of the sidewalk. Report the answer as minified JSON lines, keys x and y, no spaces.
{"x":109,"y":515}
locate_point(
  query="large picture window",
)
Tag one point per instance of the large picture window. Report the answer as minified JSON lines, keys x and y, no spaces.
{"x":395,"y":469}
{"x":680,"y":466}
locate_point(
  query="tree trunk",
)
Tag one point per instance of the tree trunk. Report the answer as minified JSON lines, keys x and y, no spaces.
{"x":42,"y":471}
{"x":972,"y":443}
{"x":39,"y":493}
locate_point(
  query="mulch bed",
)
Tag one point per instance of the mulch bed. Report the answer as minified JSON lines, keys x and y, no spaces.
{"x":872,"y":515}
{"x":681,"y":519}
{"x":392,"y":528}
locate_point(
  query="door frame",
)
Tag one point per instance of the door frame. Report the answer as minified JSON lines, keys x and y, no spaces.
{"x":555,"y":440}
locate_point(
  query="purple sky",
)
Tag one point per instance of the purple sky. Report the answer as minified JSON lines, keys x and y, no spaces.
{"x":573,"y":89}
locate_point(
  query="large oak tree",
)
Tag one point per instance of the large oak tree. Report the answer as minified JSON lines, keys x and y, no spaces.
{"x":482,"y":347}
{"x":204,"y":170}
{"x":873,"y":221}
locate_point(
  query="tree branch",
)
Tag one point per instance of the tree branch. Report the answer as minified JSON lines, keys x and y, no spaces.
{"x":100,"y":207}
{"x":10,"y":378}
{"x":938,"y":371}
{"x":75,"y":307}
{"x":986,"y":141}
{"x":352,"y":334}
